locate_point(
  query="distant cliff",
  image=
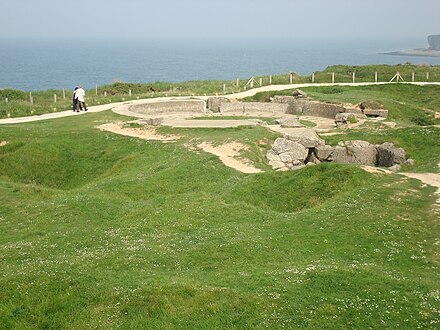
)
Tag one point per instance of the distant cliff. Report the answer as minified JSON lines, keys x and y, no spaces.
{"x":434,"y":42}
{"x":432,"y":51}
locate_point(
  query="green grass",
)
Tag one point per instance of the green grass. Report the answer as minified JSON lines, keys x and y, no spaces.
{"x":105,"y":231}
{"x":407,"y":104}
{"x":19,"y":105}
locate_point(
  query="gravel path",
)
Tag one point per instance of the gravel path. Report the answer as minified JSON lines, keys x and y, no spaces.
{"x":180,"y":120}
{"x":123,"y":106}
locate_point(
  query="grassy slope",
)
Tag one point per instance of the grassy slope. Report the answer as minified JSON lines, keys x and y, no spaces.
{"x":105,"y":231}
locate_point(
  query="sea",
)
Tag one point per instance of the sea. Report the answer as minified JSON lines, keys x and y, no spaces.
{"x":31,"y":65}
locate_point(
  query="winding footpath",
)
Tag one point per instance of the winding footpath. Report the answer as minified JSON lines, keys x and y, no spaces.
{"x":122,"y":108}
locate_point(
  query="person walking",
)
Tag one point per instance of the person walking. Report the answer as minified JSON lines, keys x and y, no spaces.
{"x":80,"y":97}
{"x":75,"y":100}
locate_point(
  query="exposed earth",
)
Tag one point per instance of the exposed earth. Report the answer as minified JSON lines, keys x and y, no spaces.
{"x":228,"y":153}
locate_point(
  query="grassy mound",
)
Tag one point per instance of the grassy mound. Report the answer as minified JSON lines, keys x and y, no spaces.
{"x":294,"y":191}
{"x":106,"y":231}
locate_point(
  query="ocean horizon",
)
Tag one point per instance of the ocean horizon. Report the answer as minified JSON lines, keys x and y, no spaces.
{"x":55,"y":64}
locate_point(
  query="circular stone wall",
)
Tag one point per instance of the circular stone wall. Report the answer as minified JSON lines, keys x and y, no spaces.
{"x":197,"y":106}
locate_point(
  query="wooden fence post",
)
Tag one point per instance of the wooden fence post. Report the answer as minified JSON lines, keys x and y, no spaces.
{"x":129,"y":92}
{"x":413,"y":76}
{"x":64,"y":94}
{"x":224,"y":88}
{"x":54,"y":98}
{"x":105,"y":93}
{"x":31,"y":99}
{"x":291,"y":78}
{"x":427,"y":76}
{"x":237,"y":83}
{"x":96,"y":89}
{"x":6,"y":100}
{"x":270,"y":80}
{"x":333,"y":77}
{"x":261,"y":81}
{"x":375,"y":77}
{"x":313,"y":77}
{"x":354,"y":77}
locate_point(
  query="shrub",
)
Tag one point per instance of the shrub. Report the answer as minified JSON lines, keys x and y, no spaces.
{"x":12,"y":94}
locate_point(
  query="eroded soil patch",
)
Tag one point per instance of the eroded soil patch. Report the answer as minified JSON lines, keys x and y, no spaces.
{"x":145,"y":133}
{"x":228,"y":154}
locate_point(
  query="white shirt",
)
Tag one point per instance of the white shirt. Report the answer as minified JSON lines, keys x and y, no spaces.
{"x":79,"y":94}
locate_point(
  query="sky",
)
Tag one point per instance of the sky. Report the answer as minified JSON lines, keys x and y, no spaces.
{"x":222,"y":19}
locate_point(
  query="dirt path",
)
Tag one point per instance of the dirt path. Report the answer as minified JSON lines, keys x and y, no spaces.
{"x":147,"y":133}
{"x":240,"y":95}
{"x":228,"y":154}
{"x":432,"y":179}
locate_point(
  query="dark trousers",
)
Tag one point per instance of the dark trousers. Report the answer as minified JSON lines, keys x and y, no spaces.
{"x":78,"y":105}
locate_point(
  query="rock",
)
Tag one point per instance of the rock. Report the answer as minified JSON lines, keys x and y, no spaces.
{"x":299,"y":93}
{"x":395,"y":168}
{"x":282,"y":145}
{"x":311,"y":158}
{"x":288,"y":121}
{"x":324,"y":152}
{"x":370,"y":105}
{"x":356,"y":152}
{"x":306,"y":137}
{"x":295,"y":167}
{"x":376,"y":112}
{"x":271,"y":155}
{"x":213,"y":103}
{"x":347,"y":118}
{"x":287,"y":157}
{"x":410,"y":162}
{"x":389,"y":155}
{"x":286,"y":153}
{"x":276,"y":165}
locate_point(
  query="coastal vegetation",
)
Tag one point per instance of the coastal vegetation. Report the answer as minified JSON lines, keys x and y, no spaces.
{"x":15,"y":103}
{"x":106,"y":231}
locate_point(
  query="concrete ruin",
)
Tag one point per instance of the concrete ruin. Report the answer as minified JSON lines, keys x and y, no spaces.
{"x":297,"y":104}
{"x":164,"y":107}
{"x":305,"y":147}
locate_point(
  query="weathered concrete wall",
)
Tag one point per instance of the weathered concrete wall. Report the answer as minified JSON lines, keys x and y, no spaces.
{"x":213,"y":103}
{"x":169,"y":106}
{"x":321,"y":109}
{"x":301,"y":106}
{"x":253,"y":107}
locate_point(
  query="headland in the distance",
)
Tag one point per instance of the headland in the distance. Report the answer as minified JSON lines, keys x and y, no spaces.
{"x":432,"y":51}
